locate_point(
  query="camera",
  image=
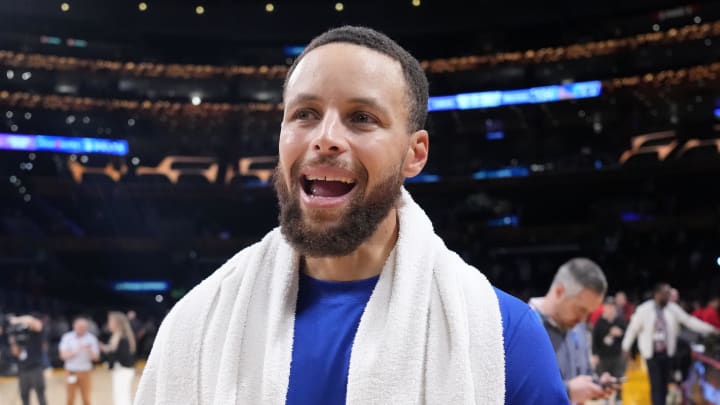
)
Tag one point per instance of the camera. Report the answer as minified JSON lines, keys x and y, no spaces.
{"x":19,"y":331}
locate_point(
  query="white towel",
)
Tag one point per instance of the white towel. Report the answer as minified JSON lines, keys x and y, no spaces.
{"x":431,"y":332}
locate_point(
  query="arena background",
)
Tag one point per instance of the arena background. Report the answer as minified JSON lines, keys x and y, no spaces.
{"x":623,"y":168}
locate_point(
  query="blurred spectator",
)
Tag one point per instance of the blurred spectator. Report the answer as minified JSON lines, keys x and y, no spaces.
{"x":135,"y":323}
{"x":5,"y":355}
{"x":26,"y":340}
{"x":576,"y":291}
{"x":709,"y":313}
{"x":79,"y":348}
{"x":92,"y":327}
{"x":120,"y":354}
{"x":148,"y":331}
{"x":607,"y":339}
{"x":656,"y":325}
{"x":625,"y":307}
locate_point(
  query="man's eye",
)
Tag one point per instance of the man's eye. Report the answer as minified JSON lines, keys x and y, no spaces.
{"x":304,"y":115}
{"x":363,"y":118}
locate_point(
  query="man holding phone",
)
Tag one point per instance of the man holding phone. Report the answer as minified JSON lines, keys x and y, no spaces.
{"x":576,"y":291}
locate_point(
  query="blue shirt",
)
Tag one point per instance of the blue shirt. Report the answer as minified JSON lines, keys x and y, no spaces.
{"x":328,"y":315}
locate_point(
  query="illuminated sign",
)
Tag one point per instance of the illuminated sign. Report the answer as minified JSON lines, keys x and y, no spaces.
{"x":293,"y":51}
{"x":141,"y":286}
{"x":519,"y":171}
{"x":63,"y":144}
{"x":498,"y":98}
{"x":423,"y":178}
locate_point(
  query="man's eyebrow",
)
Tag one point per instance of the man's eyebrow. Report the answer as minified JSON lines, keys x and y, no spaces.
{"x":303,"y":97}
{"x":370,"y":102}
{"x":366,"y":101}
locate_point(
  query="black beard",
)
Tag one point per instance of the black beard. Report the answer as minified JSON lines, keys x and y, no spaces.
{"x":360,"y":220}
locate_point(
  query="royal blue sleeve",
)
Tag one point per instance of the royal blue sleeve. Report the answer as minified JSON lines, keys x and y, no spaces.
{"x":532,"y":375}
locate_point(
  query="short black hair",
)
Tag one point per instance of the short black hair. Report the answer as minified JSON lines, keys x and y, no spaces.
{"x":415,"y":79}
{"x":660,"y":286}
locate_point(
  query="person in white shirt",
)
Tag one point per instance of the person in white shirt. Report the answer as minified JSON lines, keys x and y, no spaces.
{"x":78,"y":349}
{"x":656,"y":325}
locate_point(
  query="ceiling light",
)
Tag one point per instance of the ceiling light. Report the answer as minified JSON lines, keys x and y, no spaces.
{"x":10,"y":74}
{"x":416,"y":3}
{"x":65,"y":7}
{"x":199,"y":10}
{"x":339,"y":7}
{"x":269,"y":7}
{"x":142,"y":6}
{"x":196,"y":100}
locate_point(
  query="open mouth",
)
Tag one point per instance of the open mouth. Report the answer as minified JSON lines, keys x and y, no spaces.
{"x":327,"y":186}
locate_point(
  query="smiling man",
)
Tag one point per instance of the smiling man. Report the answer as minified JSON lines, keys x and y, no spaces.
{"x":353,"y":299}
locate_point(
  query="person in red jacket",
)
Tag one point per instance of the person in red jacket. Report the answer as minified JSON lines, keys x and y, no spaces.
{"x":709,"y":313}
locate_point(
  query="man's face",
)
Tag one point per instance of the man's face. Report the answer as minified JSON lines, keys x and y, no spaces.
{"x":343,"y":148}
{"x":620,"y":299}
{"x":574,"y":309}
{"x":609,"y":311}
{"x":662,"y":296}
{"x":80,"y":326}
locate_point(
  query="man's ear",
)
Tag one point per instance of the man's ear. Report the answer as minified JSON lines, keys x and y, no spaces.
{"x":559,"y":291}
{"x":417,"y":153}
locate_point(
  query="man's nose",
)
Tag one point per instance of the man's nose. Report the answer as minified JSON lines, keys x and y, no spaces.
{"x":331,"y":136}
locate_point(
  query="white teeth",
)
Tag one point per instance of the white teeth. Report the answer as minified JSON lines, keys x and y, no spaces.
{"x":331,"y":178}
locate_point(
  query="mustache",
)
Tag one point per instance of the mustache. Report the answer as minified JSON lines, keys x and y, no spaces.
{"x":331,"y":161}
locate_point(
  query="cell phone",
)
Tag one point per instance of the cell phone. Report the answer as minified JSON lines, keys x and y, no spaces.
{"x":617,"y":383}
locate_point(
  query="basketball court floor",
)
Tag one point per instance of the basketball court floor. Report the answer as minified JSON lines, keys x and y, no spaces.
{"x":636,"y":392}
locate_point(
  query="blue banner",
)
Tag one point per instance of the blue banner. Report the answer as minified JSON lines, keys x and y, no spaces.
{"x":63,"y":144}
{"x":499,"y":98}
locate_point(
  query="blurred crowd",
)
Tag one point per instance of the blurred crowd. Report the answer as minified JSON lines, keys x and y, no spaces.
{"x":683,"y":376}
{"x":55,"y":326}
